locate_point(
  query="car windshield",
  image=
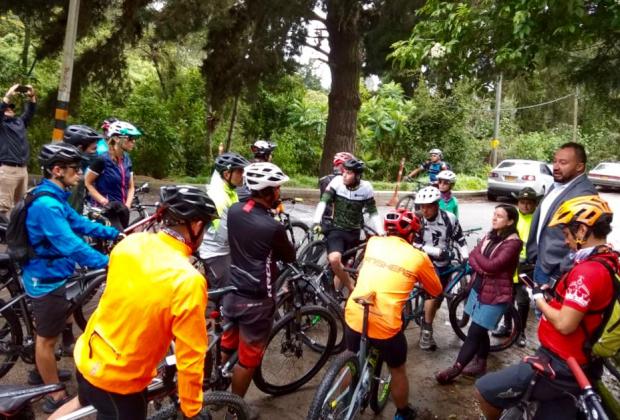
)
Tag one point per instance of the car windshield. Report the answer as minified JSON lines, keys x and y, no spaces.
{"x":508,"y":164}
{"x":607,"y":166}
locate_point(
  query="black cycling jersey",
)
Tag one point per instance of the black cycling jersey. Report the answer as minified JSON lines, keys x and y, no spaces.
{"x":256,"y":241}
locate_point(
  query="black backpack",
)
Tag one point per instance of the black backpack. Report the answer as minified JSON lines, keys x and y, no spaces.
{"x":19,"y":246}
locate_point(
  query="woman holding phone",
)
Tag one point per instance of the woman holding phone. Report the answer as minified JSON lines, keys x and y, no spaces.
{"x":494,"y":261}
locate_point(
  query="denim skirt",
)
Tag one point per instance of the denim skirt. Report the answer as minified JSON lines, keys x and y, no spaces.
{"x":487,"y":316}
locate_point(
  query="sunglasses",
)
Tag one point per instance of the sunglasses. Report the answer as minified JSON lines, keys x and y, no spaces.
{"x":11,"y":106}
{"x":76,"y":168}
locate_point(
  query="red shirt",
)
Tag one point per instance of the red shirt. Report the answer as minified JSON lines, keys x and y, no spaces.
{"x":586,"y":288}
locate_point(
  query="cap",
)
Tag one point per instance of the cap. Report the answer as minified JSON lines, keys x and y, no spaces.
{"x":527,"y":193}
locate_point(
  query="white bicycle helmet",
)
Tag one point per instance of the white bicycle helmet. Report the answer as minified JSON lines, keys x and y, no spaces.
{"x":261,"y":175}
{"x":122,"y":128}
{"x":427,"y":195}
{"x":447,"y":176}
{"x":436,"y":152}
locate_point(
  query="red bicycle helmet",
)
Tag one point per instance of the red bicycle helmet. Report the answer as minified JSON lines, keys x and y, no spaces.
{"x":401,"y":222}
{"x":341,"y":157}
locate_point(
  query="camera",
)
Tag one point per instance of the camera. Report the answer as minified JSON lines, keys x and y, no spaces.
{"x":22,"y":89}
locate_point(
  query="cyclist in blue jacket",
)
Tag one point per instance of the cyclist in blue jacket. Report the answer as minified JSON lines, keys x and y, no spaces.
{"x":55,"y":233}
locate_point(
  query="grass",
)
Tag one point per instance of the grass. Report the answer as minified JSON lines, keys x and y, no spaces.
{"x":464,"y":183}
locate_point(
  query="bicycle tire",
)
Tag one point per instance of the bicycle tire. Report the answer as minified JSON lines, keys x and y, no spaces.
{"x":460,"y":328}
{"x":514,"y":413}
{"x":11,"y":339}
{"x":82,"y":313}
{"x":300,"y":233}
{"x":322,"y":404}
{"x":379,"y":389}
{"x":167,"y":412}
{"x":219,"y":403}
{"x":314,"y":252}
{"x":290,"y":351}
{"x":413,"y":309}
{"x":407,"y":202}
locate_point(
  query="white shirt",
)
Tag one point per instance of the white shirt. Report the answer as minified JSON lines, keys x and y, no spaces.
{"x":548,"y":201}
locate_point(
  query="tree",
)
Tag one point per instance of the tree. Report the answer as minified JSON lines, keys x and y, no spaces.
{"x":485,"y":38}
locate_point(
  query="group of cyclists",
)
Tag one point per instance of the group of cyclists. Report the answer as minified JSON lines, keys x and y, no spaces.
{"x":230,"y":227}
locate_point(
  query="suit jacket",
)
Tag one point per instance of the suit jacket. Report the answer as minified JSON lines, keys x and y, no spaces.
{"x":550,"y":250}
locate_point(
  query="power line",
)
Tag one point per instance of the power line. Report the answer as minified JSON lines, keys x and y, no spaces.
{"x":540,"y":104}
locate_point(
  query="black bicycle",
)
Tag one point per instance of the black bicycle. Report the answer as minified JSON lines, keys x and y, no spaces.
{"x":17,"y":342}
{"x":298,"y":233}
{"x":353,"y":381}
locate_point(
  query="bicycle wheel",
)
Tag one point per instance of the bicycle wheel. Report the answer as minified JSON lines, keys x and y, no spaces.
{"x":380,"y":386}
{"x":289,"y":361}
{"x":459,"y":321}
{"x":83,"y":312}
{"x":407,"y":202}
{"x":516,"y":413}
{"x":299,"y":234}
{"x":221,"y":404}
{"x":11,"y":339}
{"x":335,"y":393}
{"x":315,"y":252}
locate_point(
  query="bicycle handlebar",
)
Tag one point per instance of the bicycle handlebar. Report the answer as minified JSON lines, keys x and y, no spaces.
{"x":581,"y":378}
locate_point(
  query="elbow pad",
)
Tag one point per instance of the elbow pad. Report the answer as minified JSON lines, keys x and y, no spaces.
{"x":375,"y":221}
{"x":432,"y":251}
{"x":318,"y":213}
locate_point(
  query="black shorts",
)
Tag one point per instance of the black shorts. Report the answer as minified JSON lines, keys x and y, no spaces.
{"x":50,"y":312}
{"x":504,"y":388}
{"x":252,"y":320}
{"x":342,"y":240}
{"x":393,"y":350}
{"x":110,"y":405}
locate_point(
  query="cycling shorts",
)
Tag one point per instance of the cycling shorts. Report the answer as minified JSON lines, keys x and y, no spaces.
{"x":505,"y":388}
{"x":393,"y":350}
{"x":342,"y":240}
{"x":50,"y":312}
{"x":252,"y":320}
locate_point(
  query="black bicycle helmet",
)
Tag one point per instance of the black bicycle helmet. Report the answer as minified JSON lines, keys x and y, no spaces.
{"x":188,"y":203}
{"x":58,"y":153}
{"x":263,"y":147}
{"x":355,"y":165}
{"x":80,"y":135}
{"x":230,"y":160}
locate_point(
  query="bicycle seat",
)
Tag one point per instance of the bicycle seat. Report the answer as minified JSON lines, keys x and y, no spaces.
{"x":366,"y":300}
{"x":216,"y":293}
{"x":13,"y":397}
{"x":540,"y":365}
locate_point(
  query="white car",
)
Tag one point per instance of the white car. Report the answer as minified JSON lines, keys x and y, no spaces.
{"x":512,"y":175}
{"x":606,"y":175}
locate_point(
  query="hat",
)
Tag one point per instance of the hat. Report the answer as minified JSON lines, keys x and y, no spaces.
{"x":527,"y":193}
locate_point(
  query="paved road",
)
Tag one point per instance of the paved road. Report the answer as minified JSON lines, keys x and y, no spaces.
{"x":476,"y":213}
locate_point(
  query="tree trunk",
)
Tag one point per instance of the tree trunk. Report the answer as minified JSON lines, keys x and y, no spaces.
{"x":233,"y":118}
{"x":210,"y":124}
{"x":26,"y":45}
{"x":343,"y":19}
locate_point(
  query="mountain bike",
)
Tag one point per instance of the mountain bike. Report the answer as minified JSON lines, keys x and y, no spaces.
{"x":408,"y":201}
{"x":304,"y":285}
{"x":298,"y":233}
{"x":17,"y":312}
{"x":353,"y":381}
{"x":588,"y":401}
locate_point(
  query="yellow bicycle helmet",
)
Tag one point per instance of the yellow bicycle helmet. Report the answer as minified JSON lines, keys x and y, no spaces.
{"x":586,"y":209}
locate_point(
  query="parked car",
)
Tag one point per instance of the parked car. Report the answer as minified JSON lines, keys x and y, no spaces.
{"x":512,"y":175}
{"x":606,"y":174}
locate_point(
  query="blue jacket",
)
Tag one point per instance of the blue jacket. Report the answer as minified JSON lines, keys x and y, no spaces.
{"x":54,"y":231}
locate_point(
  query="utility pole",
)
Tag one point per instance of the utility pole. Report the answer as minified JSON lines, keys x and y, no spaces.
{"x":575,"y":113}
{"x":66,"y":72}
{"x":498,"y":110}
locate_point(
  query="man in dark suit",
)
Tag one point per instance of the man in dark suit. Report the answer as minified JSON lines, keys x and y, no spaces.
{"x":545,"y":245}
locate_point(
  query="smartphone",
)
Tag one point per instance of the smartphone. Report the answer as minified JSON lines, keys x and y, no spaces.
{"x":527,"y":280}
{"x":22,"y":89}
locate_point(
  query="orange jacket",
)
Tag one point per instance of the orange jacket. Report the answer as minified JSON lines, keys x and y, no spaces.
{"x":152,"y":296}
{"x":391,"y":268}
